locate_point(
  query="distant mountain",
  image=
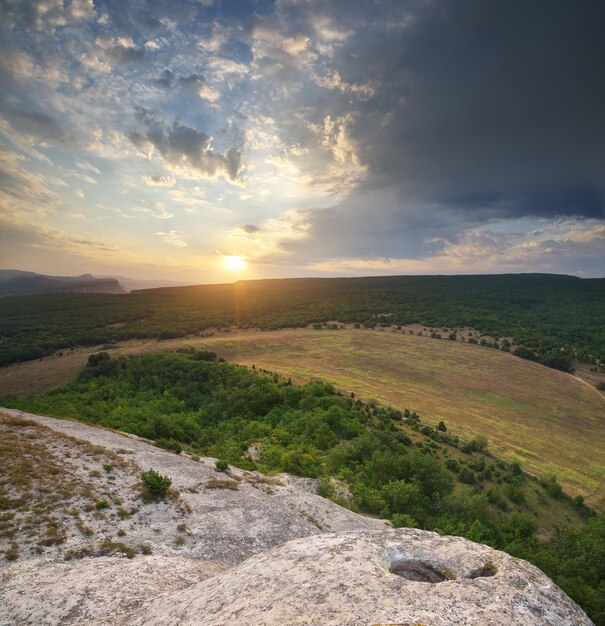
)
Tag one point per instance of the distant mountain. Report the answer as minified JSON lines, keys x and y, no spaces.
{"x":18,"y":283}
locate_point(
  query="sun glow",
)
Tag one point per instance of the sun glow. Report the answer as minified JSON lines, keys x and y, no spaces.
{"x":234,"y":263}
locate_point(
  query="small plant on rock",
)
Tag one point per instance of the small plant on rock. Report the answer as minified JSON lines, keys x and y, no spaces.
{"x":221,"y":466}
{"x":156,"y":484}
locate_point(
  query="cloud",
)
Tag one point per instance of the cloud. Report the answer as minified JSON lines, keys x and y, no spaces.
{"x":172,"y":238}
{"x":224,"y":69}
{"x":333,"y":80}
{"x":295,"y":45}
{"x":35,"y":236}
{"x":185,"y":150}
{"x":111,"y":52}
{"x":87,"y":167}
{"x":193,"y":82}
{"x":23,"y":191}
{"x":159,"y":181}
{"x":385,"y":136}
{"x":46,"y":15}
{"x":155,"y":209}
{"x":82,"y":9}
{"x":83,"y":177}
{"x":37,"y":124}
{"x":250,"y":229}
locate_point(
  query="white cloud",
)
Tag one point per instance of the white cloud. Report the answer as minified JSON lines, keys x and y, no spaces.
{"x":224,"y":68}
{"x":82,"y":9}
{"x":172,"y":238}
{"x":333,"y":80}
{"x":206,"y":92}
{"x":155,"y":209}
{"x":88,"y":167}
{"x":295,"y":45}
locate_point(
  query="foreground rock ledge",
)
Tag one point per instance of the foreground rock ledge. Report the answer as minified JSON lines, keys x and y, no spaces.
{"x":403,"y":576}
{"x":257,"y":555}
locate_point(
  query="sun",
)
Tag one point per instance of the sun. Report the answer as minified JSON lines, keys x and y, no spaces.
{"x":234,"y":263}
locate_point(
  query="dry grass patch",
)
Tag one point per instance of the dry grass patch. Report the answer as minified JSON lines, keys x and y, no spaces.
{"x":222,"y":483}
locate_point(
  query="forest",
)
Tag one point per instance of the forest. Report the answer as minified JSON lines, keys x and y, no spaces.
{"x":553,"y":319}
{"x":374,"y":459}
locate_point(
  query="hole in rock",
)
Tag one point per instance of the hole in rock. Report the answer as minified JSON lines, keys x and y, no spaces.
{"x":489,"y":569}
{"x":419,"y":572}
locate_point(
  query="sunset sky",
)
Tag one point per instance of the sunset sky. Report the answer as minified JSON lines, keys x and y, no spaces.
{"x":207,"y":141}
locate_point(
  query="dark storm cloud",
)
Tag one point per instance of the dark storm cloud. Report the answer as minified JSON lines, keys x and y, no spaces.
{"x":483,"y":110}
{"x":494,"y":99}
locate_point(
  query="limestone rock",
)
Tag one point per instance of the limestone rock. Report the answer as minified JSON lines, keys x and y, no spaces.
{"x":403,"y":576}
{"x":265,"y":551}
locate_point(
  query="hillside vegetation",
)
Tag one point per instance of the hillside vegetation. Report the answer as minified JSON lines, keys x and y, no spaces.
{"x":555,"y":318}
{"x":547,"y":420}
{"x":374,"y":459}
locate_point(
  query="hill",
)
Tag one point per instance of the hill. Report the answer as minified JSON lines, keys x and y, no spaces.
{"x":557,"y":319}
{"x":18,"y":283}
{"x":374,"y":459}
{"x":217,"y":555}
{"x":549,"y":421}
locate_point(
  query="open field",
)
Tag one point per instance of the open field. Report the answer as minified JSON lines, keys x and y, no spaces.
{"x":547,"y":420}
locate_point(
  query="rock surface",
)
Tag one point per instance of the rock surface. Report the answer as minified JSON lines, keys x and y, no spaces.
{"x":261,"y":552}
{"x":402,"y":576}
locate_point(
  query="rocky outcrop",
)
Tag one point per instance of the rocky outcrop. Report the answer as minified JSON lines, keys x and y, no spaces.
{"x":258,"y":551}
{"x":402,"y":576}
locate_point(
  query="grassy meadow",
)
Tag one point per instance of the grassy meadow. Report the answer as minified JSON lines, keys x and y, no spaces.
{"x":549,"y":421}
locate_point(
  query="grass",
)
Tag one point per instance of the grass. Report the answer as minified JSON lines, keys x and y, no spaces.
{"x":42,"y":500}
{"x":217,"y":483}
{"x":549,"y":421}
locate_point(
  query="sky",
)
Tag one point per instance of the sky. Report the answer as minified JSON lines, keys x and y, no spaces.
{"x":217,"y":140}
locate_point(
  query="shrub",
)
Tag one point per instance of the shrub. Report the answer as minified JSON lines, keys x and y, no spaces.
{"x":221,"y":466}
{"x":97,"y":359}
{"x":481,"y":442}
{"x":155,"y":483}
{"x":169,"y":444}
{"x":325,"y":488}
{"x":453,"y":465}
{"x":552,"y":486}
{"x":402,"y":520}
{"x":467,"y":476}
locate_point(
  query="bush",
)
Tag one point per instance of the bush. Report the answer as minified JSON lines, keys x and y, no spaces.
{"x":402,"y":520}
{"x":525,"y":353}
{"x":467,"y":476}
{"x":221,"y":466}
{"x":552,"y":486}
{"x":481,"y":442}
{"x":155,"y":483}
{"x":169,"y":444}
{"x":97,"y":359}
{"x":325,"y":489}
